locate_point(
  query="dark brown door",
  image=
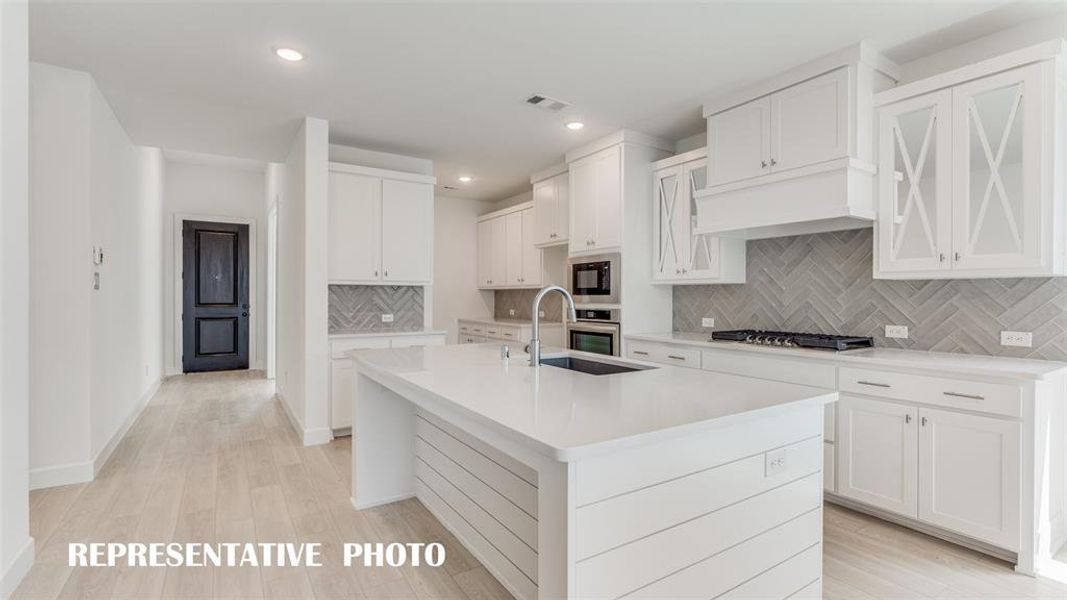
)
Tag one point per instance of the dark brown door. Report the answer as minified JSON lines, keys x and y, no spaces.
{"x":215,"y":292}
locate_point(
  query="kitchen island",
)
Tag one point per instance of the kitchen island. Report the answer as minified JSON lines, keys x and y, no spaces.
{"x":660,"y":482}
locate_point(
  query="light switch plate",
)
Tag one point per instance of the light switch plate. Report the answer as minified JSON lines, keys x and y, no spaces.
{"x":1022,"y":339}
{"x":511,"y":312}
{"x":707,"y":322}
{"x":387,"y":317}
{"x":896,"y":331}
{"x":540,"y":314}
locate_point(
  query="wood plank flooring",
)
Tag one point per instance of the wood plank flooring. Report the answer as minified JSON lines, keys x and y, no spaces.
{"x":213,"y":458}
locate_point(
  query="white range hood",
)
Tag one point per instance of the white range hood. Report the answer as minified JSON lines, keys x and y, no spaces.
{"x":831,"y":196}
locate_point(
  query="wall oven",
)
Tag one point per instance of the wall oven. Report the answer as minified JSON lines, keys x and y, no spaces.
{"x":595,"y":331}
{"x":595,"y":279}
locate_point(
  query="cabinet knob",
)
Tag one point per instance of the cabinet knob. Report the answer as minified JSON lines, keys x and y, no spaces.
{"x":387,"y":273}
{"x":763,"y":164}
{"x":941,"y":257}
{"x":958,"y":257}
{"x":375,"y":273}
{"x":773,"y":162}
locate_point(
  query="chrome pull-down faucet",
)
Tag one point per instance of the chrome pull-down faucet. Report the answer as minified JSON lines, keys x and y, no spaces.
{"x":535,"y":341}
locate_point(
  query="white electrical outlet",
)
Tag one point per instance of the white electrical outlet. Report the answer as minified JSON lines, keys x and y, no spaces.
{"x":1023,"y":339}
{"x":774,"y":462}
{"x":387,"y":317}
{"x":511,"y":312}
{"x":707,"y":322}
{"x":896,"y":331}
{"x":540,"y":314}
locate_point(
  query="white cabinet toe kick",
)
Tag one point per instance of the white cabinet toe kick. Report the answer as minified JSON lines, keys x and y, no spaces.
{"x":923,"y":440}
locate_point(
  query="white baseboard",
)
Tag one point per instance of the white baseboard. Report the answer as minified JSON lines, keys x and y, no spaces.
{"x":66,"y":474}
{"x":379,"y":502}
{"x":46,"y":477}
{"x":16,"y":571}
{"x":310,"y":437}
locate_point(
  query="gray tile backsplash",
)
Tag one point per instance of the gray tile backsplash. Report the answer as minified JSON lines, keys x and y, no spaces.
{"x":357,"y":308}
{"x":823,"y":283}
{"x":521,"y":300}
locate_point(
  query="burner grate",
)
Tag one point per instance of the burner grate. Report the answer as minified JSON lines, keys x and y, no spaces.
{"x":793,"y":339}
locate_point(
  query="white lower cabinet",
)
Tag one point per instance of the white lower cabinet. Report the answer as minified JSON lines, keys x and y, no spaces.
{"x":969,"y":470}
{"x":878,"y":450}
{"x":342,"y":373}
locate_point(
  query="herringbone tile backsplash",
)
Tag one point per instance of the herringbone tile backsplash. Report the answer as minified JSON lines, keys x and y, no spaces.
{"x":823,"y":283}
{"x":359,"y":308}
{"x":521,"y":301}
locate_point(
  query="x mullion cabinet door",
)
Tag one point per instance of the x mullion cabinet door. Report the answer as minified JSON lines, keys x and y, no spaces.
{"x":915,"y":185}
{"x":1001,"y":207}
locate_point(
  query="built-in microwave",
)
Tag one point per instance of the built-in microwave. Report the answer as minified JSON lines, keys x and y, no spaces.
{"x":596,"y":330}
{"x":595,"y":279}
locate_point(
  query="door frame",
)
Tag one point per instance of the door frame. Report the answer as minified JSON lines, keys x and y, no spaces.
{"x":179,"y":302}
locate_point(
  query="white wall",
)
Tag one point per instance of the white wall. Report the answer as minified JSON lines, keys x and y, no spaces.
{"x":90,"y":186}
{"x":220,"y":189}
{"x":303,"y":352}
{"x":16,"y":546}
{"x":455,"y":263}
{"x":60,"y":273}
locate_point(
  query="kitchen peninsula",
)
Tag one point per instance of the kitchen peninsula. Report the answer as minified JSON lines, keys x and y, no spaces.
{"x":657,"y":482}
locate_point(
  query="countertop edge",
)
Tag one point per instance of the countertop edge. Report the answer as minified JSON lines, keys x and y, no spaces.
{"x":846,"y":359}
{"x":369,"y":334}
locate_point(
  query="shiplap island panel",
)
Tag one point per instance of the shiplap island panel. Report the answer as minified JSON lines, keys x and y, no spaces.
{"x":546,"y":474}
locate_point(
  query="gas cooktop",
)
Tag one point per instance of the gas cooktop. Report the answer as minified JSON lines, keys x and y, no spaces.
{"x":790,"y":339}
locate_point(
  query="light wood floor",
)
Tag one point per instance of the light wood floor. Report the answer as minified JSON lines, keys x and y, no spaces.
{"x":213,"y":458}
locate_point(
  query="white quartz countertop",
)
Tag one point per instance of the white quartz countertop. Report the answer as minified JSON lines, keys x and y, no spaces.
{"x":505,"y":321}
{"x":374,"y":334}
{"x":969,"y":364}
{"x":569,"y":415}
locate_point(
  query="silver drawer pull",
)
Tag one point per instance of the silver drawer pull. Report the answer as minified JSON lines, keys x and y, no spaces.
{"x":675,"y":357}
{"x":874,"y":383}
{"x":641,"y":352}
{"x":959,"y":395}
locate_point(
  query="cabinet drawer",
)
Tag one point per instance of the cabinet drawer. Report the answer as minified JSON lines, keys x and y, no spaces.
{"x":464,"y":327}
{"x":664,"y":354}
{"x":507,"y":333}
{"x":750,"y":364}
{"x":339,"y":347}
{"x":992,"y":398}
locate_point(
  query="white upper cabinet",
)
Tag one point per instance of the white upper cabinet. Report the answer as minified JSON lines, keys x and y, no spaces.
{"x":507,"y":257}
{"x":680,"y":255}
{"x":596,"y":201}
{"x":809,"y":121}
{"x":801,"y":125}
{"x":380,"y":227}
{"x":407,"y":232}
{"x":968,"y":175}
{"x":551,"y":210}
{"x":354,"y":234}
{"x":739,"y":142}
{"x":915,"y":181}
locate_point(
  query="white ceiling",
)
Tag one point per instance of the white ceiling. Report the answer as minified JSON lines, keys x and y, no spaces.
{"x":445,"y":81}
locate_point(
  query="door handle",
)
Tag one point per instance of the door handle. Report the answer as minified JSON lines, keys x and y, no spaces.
{"x":875,"y":384}
{"x":968,"y":396}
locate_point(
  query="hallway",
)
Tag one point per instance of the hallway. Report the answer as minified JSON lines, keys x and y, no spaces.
{"x":214,"y":458}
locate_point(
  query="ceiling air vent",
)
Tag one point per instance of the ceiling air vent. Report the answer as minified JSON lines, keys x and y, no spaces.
{"x":547,"y":103}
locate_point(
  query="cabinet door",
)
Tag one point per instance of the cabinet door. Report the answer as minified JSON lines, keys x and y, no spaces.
{"x":498,"y":274}
{"x":531,"y":255}
{"x":809,"y":121}
{"x":485,"y":254}
{"x":914,"y":184}
{"x":407,"y":232}
{"x":354,"y":228}
{"x":739,"y":142}
{"x":704,"y":259}
{"x":999,"y":145}
{"x":563,"y":213}
{"x":608,"y":225}
{"x":513,"y":248}
{"x":969,"y":474}
{"x":544,"y":212}
{"x":877,"y":453}
{"x":668,"y":235}
{"x":583,"y":207}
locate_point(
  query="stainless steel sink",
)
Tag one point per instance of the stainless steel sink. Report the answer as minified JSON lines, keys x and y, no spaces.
{"x":592,"y":367}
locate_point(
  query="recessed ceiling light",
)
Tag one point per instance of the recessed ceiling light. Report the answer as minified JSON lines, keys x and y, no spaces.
{"x":465,"y":178}
{"x":289,"y":54}
{"x":575,"y":125}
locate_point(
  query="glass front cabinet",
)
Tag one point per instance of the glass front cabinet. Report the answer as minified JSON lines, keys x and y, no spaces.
{"x":967,"y":181}
{"x":679,"y":255}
